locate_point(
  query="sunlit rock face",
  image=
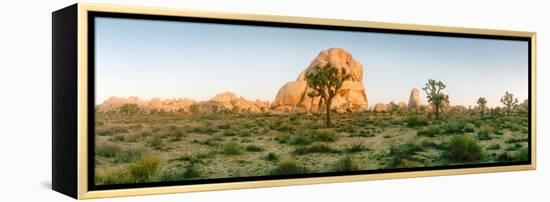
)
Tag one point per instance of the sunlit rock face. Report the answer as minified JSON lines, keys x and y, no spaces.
{"x":351,"y":97}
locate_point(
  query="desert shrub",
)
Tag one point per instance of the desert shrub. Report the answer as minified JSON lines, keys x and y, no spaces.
{"x":453,"y":127}
{"x":363,"y":133}
{"x":514,"y":147}
{"x":254,"y":148}
{"x":469,"y":128}
{"x":356,"y":147}
{"x":130,"y":155}
{"x":516,"y":140}
{"x":155,"y":142}
{"x":104,"y":132}
{"x":232,"y":148}
{"x":293,"y":117}
{"x":288,"y":167}
{"x":484,"y":132}
{"x":463,"y":148}
{"x":429,"y":131}
{"x":138,"y":136}
{"x":174,"y":134}
{"x":117,"y":138}
{"x":283,"y":127}
{"x":401,"y":152}
{"x":271,"y":156}
{"x":143,"y":169}
{"x":324,"y":135}
{"x":300,"y":140}
{"x":346,"y":163}
{"x":119,"y":129}
{"x":415,"y":121}
{"x":521,"y":155}
{"x":107,"y":150}
{"x":315,"y":148}
{"x":203,"y":130}
{"x":224,"y":126}
{"x":495,"y":146}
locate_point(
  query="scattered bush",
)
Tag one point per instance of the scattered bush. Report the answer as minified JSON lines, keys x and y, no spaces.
{"x":143,"y":169}
{"x":288,"y":167}
{"x":107,"y":150}
{"x":454,"y":127}
{"x":356,"y":147}
{"x":254,"y":148}
{"x":130,"y":155}
{"x":415,"y":121}
{"x":429,"y":131}
{"x":232,"y":148}
{"x":484,"y":132}
{"x":495,"y":146}
{"x":401,"y":152}
{"x":363,"y":133}
{"x":271,"y":157}
{"x":155,"y":142}
{"x":315,"y":148}
{"x":346,"y":163}
{"x":324,"y":135}
{"x":469,"y":128}
{"x":463,"y":148}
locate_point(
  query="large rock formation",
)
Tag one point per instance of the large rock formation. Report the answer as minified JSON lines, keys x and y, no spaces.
{"x":351,"y":97}
{"x":414,"y":99}
{"x":223,"y":102}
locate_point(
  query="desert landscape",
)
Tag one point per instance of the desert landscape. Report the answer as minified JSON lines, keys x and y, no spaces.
{"x":321,"y":122}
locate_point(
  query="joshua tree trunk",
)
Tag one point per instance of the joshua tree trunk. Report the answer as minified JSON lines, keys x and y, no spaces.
{"x":436,"y":112}
{"x":328,"y":102}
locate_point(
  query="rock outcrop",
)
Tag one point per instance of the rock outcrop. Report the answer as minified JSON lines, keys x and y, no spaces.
{"x":351,"y":97}
{"x":414,"y":99}
{"x":223,"y":102}
{"x":379,"y":107}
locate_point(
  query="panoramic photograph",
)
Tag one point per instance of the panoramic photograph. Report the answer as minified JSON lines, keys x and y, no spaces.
{"x":181,"y":101}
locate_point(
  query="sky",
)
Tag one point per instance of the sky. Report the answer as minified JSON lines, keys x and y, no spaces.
{"x":151,"y":58}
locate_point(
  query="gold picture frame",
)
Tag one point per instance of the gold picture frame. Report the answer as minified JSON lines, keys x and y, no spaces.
{"x":71,"y":149}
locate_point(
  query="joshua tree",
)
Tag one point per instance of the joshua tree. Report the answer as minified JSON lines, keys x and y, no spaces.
{"x":482,"y":103}
{"x":435,"y":95}
{"x":325,"y":82}
{"x":509,"y":101}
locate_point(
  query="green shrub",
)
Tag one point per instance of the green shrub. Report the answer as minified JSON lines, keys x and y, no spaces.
{"x":324,"y":135}
{"x":495,"y":146}
{"x":288,"y":167}
{"x":363,"y":133}
{"x":155,"y":142}
{"x":254,"y":148}
{"x":429,"y":131}
{"x":401,"y":152}
{"x":356,"y":147}
{"x":415,"y":121}
{"x":484,"y":132}
{"x":315,"y":148}
{"x":232,"y":148}
{"x":346,"y":163}
{"x":463,"y":148}
{"x":104,"y":132}
{"x":143,"y":169}
{"x":454,"y":127}
{"x":301,"y":140}
{"x":521,"y":155}
{"x":130,"y":155}
{"x":469,"y":128}
{"x":271,"y":157}
{"x":107,"y":150}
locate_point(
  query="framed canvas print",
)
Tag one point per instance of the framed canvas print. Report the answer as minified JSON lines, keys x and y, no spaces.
{"x":152,"y":100}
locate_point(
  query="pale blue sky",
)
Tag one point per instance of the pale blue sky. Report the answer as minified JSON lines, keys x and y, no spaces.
{"x":148,"y":58}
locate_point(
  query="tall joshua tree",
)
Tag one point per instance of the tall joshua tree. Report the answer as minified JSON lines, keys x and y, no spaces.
{"x":509,"y":101}
{"x":482,"y":103}
{"x":325,"y":82}
{"x":435,"y":95}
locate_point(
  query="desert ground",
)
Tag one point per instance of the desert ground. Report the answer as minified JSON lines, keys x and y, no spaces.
{"x":161,"y":146}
